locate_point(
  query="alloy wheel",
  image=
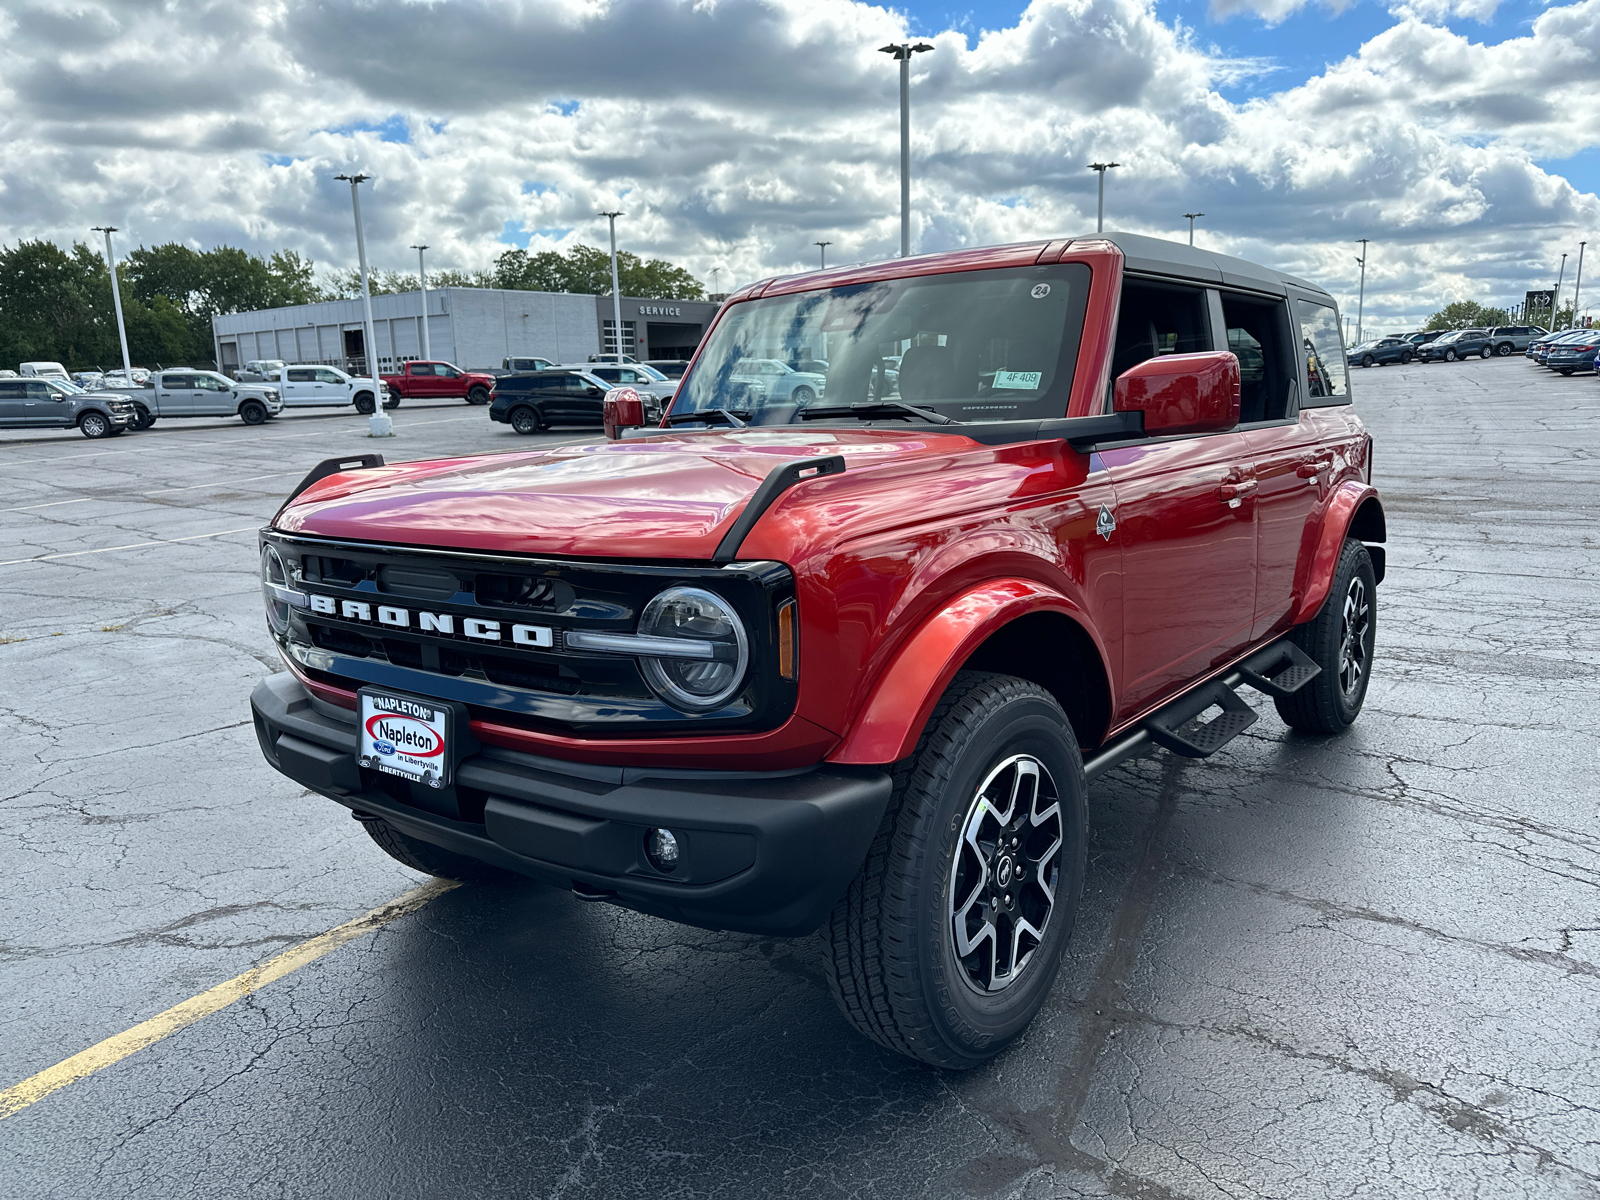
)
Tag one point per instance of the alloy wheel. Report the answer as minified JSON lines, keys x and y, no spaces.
{"x":1354,"y":633}
{"x":1006,"y":869}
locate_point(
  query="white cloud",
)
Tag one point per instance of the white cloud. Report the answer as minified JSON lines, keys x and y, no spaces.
{"x":735,"y":134}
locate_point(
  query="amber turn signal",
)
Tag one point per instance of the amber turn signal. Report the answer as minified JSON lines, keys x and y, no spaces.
{"x":788,"y":663}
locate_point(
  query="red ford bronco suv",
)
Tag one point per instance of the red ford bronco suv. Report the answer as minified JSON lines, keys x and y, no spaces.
{"x":851,"y":664}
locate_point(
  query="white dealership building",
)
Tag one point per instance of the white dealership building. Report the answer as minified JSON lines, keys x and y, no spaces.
{"x":471,"y":327}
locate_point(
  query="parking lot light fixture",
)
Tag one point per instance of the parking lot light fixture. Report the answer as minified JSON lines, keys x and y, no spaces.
{"x":379,"y":424}
{"x":616,"y":286}
{"x":1361,"y":295}
{"x":902,"y":52}
{"x":1555,"y":302}
{"x":116,"y":300}
{"x":1577,"y":284}
{"x":1191,"y":217}
{"x":1100,"y":221}
{"x":822,"y":250}
{"x":422,"y":278}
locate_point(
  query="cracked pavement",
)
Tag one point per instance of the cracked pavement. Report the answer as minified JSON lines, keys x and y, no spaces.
{"x":1360,"y":966}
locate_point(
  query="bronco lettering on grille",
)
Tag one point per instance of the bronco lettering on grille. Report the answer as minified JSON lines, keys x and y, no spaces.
{"x":476,"y":628}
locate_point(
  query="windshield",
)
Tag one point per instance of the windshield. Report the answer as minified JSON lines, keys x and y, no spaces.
{"x":61,"y":385}
{"x":974,"y":345}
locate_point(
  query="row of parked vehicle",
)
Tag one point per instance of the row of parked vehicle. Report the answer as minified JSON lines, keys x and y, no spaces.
{"x":1567,"y":352}
{"x":1440,"y":345}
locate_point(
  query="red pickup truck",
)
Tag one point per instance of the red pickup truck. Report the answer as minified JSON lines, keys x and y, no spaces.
{"x":852,"y":664}
{"x":424,"y":380}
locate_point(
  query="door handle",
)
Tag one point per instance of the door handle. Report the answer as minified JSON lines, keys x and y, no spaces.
{"x":1234,"y":492}
{"x":1312,"y":467}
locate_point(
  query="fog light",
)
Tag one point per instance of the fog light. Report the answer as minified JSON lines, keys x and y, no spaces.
{"x":661,"y":848}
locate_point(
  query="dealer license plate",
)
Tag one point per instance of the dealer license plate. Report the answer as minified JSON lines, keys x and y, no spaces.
{"x":404,"y":736}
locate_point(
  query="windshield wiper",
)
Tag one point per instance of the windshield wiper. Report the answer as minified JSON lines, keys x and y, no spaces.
{"x":877,"y":408}
{"x":731,"y":416}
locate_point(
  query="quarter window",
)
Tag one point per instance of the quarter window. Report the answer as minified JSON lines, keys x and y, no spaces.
{"x":1323,"y":349}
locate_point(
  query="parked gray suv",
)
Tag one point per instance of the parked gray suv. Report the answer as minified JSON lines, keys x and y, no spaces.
{"x":58,"y":404}
{"x":1507,"y":338}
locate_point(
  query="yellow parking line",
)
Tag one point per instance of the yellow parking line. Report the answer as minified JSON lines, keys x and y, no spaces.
{"x":114,"y":1049}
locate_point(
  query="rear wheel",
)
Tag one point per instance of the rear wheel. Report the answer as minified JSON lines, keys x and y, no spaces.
{"x":1503,"y":349}
{"x":393,"y":401}
{"x":428,"y":858}
{"x":94,"y":425}
{"x":1339,"y":639}
{"x":253,"y":412}
{"x":947,"y":942}
{"x":141,"y":417}
{"x":364,"y":404}
{"x":524,"y":420}
{"x":1486,"y":352}
{"x":802,"y":395}
{"x":478,"y":395}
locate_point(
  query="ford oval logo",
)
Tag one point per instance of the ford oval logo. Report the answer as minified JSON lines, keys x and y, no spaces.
{"x":383,"y":747}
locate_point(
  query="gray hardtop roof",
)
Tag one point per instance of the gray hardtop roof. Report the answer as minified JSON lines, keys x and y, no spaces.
{"x":1157,"y":256}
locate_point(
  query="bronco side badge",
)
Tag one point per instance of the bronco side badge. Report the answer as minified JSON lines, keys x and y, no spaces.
{"x":1105,"y":525}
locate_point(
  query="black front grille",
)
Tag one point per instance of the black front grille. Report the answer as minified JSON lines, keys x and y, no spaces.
{"x":377,"y":634}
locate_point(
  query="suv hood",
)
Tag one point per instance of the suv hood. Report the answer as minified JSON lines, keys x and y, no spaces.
{"x":668,"y":497}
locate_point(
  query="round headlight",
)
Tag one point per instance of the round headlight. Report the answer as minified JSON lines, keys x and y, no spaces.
{"x":695,"y":684}
{"x":274,"y":585}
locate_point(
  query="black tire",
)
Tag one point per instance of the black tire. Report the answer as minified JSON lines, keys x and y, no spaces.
{"x":1368,"y":361}
{"x":141,"y":418}
{"x":392,"y":402}
{"x":364,"y":404}
{"x":478,"y":395}
{"x":1564,"y":371}
{"x":253,"y":412}
{"x":1339,"y":639}
{"x":802,"y":395}
{"x":1450,"y":354}
{"x":94,"y":425}
{"x":1503,"y":349}
{"x":428,"y":858}
{"x":525,"y":420}
{"x":1406,"y":357}
{"x":1486,"y":353}
{"x":892,"y":958}
{"x":119,"y":432}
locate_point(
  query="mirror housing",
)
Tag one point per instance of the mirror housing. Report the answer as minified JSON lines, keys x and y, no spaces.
{"x":1182,"y":393}
{"x":624,"y":409}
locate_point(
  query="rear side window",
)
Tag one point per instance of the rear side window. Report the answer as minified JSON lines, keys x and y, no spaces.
{"x":420,"y":368}
{"x":303,"y":375}
{"x":1258,"y":335}
{"x":1327,"y":382}
{"x":12,"y":389}
{"x":177,"y":383}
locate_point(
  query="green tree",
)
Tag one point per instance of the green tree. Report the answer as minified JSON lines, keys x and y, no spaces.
{"x":55,"y":305}
{"x":1467,"y":314}
{"x":586,"y":269}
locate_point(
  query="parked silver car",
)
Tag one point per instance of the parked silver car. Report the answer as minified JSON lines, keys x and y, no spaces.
{"x":183,"y":392}
{"x":781,"y":381}
{"x":46,"y":403}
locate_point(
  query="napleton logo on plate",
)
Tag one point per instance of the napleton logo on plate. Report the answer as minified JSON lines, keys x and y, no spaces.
{"x":404,"y":737}
{"x":390,"y":616}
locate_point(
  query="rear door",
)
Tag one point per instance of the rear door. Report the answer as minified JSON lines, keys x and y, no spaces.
{"x":175,"y":394}
{"x":13,"y":402}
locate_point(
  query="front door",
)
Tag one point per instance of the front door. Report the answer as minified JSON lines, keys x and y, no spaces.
{"x":1186,"y":518}
{"x":300,"y":387}
{"x":212,"y":397}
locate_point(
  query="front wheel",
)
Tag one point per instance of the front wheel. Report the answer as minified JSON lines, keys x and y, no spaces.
{"x":524,"y":420}
{"x":1339,"y":639}
{"x":94,"y":425}
{"x":253,"y":412}
{"x":478,"y":395}
{"x":1449,"y":356}
{"x":947,"y":942}
{"x":364,"y":404}
{"x":1367,"y":360}
{"x":428,"y":858}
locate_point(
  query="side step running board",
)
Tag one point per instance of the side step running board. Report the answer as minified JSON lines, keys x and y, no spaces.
{"x":1172,"y":726}
{"x":1280,"y":669}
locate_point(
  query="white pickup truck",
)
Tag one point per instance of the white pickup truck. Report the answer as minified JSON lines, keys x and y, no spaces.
{"x":312,"y":385}
{"x":189,"y":393}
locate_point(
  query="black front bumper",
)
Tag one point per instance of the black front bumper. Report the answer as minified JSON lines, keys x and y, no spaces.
{"x":763,"y":852}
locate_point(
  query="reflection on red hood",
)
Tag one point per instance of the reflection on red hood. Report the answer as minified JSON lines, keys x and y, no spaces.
{"x":668,"y":497}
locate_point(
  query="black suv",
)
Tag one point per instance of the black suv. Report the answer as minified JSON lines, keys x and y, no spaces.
{"x":529,"y":401}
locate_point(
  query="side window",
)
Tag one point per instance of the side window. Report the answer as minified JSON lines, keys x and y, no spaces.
{"x":419,"y":368}
{"x":37,"y":390}
{"x":1258,"y":335}
{"x":302,"y":375}
{"x":1157,"y":319}
{"x":1323,"y":349}
{"x":12,"y":389}
{"x":447,"y":372}
{"x":177,"y":383}
{"x":326,"y":376}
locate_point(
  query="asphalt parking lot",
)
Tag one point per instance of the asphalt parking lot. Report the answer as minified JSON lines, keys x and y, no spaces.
{"x":1366,"y":966}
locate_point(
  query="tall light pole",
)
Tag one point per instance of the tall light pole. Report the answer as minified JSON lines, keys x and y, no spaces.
{"x":616,"y":288}
{"x":1577,"y":284}
{"x":716,"y":275}
{"x":380,"y":424}
{"x":1555,"y":304}
{"x":1361,"y":296}
{"x":1100,"y":221}
{"x":422,"y":276}
{"x":116,"y":301}
{"x":902,"y":52}
{"x":1191,"y":217}
{"x":822,"y":251}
